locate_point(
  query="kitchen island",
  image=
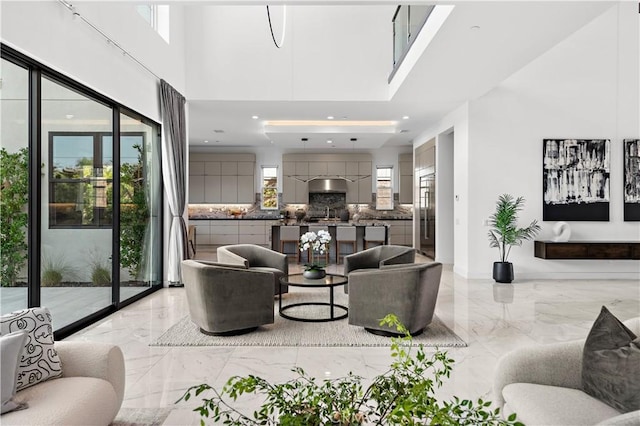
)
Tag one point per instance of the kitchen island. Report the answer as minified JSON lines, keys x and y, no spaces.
{"x":331,"y":225}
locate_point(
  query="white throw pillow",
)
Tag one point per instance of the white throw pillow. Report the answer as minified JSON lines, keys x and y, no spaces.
{"x":11,"y":346}
{"x":39,"y":360}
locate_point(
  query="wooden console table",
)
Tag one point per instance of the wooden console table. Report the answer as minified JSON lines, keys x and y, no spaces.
{"x":587,"y":250}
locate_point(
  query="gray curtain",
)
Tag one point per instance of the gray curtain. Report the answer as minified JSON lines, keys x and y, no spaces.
{"x":173,"y":174}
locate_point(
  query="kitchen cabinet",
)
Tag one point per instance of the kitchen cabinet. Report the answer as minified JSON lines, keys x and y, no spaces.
{"x":401,"y":232}
{"x":212,"y":189}
{"x":212,"y":168}
{"x":196,"y":168}
{"x":365,"y":184}
{"x":297,"y":168}
{"x":317,"y":169}
{"x":405,"y":165}
{"x":245,"y":168}
{"x":229,"y":189}
{"x":294,"y":189}
{"x":196,"y":189}
{"x":233,"y":231}
{"x":245,"y":189}
{"x":222,"y":178}
{"x":336,"y":168}
{"x":229,"y":168}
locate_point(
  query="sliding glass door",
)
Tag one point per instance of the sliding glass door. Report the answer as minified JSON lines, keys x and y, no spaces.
{"x":14,"y":177}
{"x":77,"y":204}
{"x":86,"y":237}
{"x":140,"y":197}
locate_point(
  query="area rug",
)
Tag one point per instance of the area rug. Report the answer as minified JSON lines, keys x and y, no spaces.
{"x":284,"y":332}
{"x":141,"y":416}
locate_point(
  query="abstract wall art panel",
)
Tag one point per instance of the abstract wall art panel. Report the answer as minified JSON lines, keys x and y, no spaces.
{"x":576,"y":179}
{"x":632,"y":179}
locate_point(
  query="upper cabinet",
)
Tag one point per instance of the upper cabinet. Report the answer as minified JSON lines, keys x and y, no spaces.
{"x":405,"y":164}
{"x":222,"y":178}
{"x":297,"y":169}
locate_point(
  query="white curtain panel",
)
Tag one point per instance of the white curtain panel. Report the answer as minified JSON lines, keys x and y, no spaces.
{"x":173,"y":174}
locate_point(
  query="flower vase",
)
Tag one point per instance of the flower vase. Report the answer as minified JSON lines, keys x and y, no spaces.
{"x":314,"y":274}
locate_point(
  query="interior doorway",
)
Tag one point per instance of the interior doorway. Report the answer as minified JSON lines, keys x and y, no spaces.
{"x":427,"y":209}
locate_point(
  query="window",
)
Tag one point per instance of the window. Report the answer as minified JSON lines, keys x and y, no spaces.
{"x":157,"y":16}
{"x":384,"y":188}
{"x":81,"y":177}
{"x":269,"y":188}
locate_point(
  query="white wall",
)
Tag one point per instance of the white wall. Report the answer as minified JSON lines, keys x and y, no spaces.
{"x":329,"y":53}
{"x":458,"y":120}
{"x":585,"y":87}
{"x":47,"y":32}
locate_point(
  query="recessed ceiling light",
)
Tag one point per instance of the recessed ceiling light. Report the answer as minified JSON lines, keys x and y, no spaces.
{"x":405,"y":117}
{"x":69,"y":116}
{"x":255,"y":117}
{"x":206,"y":141}
{"x":354,"y":123}
{"x":329,"y":117}
{"x":329,"y":141}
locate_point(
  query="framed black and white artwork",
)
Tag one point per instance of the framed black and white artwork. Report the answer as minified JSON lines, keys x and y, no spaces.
{"x":632,"y":179}
{"x":576,"y":179}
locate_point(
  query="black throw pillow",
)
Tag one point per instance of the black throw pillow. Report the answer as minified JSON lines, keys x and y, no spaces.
{"x":611,"y":363}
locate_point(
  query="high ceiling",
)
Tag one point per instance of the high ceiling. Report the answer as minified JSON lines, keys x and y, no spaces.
{"x":479,"y":45}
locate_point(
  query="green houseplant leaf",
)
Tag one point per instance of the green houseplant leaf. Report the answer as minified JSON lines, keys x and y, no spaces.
{"x":504,"y":232}
{"x":403,"y":395}
{"x":14,"y":193}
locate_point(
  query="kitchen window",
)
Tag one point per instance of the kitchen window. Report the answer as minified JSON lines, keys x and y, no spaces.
{"x":269,"y":188}
{"x":384,"y":188}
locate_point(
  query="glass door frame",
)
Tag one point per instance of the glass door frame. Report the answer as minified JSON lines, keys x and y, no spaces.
{"x":36,"y":72}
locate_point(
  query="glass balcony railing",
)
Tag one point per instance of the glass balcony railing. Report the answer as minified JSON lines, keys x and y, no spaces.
{"x":407,"y":23}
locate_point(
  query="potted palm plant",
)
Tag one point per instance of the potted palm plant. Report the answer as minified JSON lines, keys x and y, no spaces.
{"x":504,"y":234}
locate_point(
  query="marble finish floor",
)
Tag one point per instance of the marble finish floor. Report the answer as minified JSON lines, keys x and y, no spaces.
{"x":491,"y":318}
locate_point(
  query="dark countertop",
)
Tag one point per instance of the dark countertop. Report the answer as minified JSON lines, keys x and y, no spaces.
{"x":361,"y":223}
{"x":292,"y":221}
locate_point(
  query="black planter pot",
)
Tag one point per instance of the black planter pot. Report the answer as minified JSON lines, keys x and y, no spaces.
{"x":503,"y":272}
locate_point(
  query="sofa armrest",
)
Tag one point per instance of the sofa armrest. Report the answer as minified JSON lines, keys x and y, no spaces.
{"x":405,"y":257}
{"x":361,"y":260}
{"x":226,"y":256}
{"x":93,"y":359}
{"x":557,"y":364}
{"x":274,"y":259}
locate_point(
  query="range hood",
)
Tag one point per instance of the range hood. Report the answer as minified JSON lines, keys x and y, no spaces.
{"x":328,"y":186}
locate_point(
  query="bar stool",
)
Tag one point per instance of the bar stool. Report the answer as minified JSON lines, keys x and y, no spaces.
{"x":345,"y":235}
{"x":374,"y":234}
{"x":191,"y":237}
{"x":290,"y":234}
{"x":315,"y":229}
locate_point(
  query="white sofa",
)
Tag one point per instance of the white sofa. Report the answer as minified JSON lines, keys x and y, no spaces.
{"x":543,"y":386}
{"x":89,"y":392}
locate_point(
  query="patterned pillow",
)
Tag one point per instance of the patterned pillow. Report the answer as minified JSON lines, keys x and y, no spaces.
{"x":39,"y":360}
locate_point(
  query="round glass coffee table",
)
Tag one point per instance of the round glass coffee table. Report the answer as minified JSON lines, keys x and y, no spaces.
{"x":331,"y":281}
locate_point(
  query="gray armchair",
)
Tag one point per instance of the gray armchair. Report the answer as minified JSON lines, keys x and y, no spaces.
{"x":225,"y":299}
{"x":257,"y":258}
{"x":543,"y":386}
{"x":377,"y":257}
{"x":408,"y":291}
